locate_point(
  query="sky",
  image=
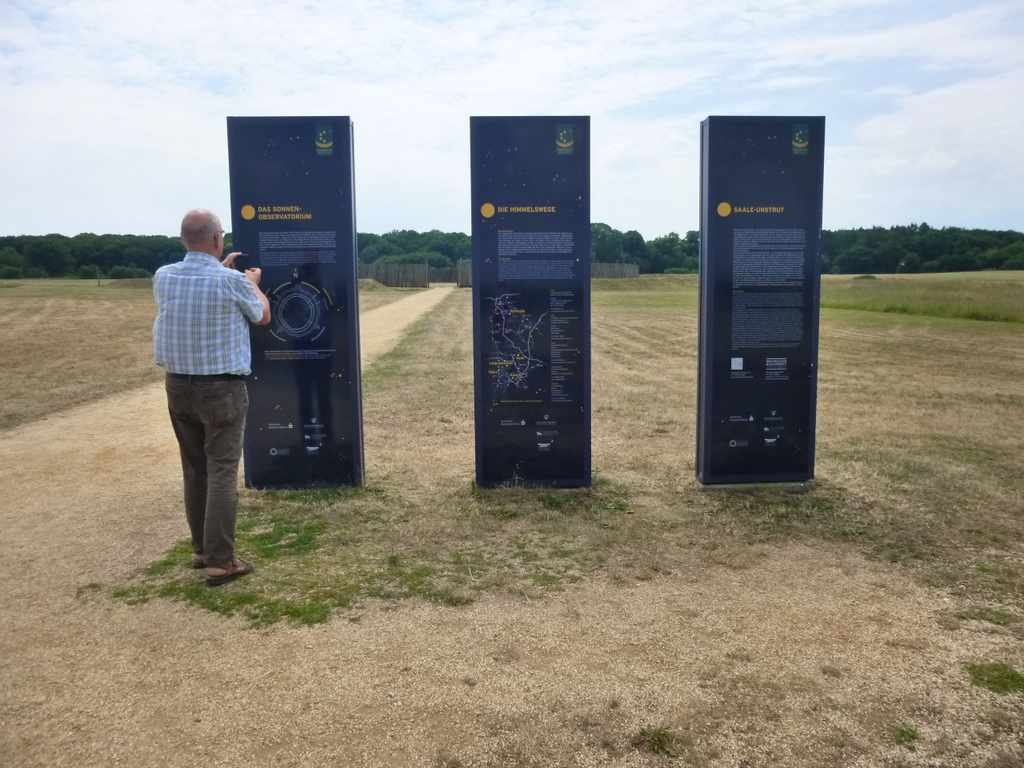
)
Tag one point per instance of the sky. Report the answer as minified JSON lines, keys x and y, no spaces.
{"x":113,"y":112}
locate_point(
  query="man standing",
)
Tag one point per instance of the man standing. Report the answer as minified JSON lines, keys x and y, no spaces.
{"x":201,"y":339}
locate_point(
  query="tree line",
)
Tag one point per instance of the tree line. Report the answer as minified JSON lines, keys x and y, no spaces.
{"x":900,"y":249}
{"x":920,"y":248}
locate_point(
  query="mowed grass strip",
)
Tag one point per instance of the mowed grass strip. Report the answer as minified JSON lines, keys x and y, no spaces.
{"x":919,"y":444}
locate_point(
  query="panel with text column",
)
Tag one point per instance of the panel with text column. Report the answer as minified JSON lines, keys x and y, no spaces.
{"x":293,"y":214}
{"x":761,"y":199}
{"x":531,"y":300}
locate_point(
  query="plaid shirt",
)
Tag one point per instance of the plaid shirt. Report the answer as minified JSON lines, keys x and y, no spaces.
{"x":203,"y":307}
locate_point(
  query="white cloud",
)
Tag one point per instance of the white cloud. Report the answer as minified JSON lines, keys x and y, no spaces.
{"x":949,"y":156}
{"x":113,"y":110}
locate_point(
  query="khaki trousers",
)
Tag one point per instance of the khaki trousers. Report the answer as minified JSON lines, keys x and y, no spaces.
{"x":208,"y":416}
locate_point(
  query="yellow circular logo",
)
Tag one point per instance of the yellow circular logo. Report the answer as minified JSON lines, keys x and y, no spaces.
{"x":724,"y":209}
{"x":487,"y":210}
{"x":248,"y":212}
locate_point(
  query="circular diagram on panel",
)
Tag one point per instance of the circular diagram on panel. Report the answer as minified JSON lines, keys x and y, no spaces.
{"x":299,"y":311}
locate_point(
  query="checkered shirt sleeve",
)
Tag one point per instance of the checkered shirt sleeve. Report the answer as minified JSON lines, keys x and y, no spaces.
{"x":204,"y":310}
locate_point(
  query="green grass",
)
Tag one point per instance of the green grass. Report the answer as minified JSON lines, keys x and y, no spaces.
{"x":967,"y":297}
{"x":905,"y":734}
{"x":987,"y":296}
{"x":321,"y":553}
{"x":656,"y":739}
{"x":997,"y":677}
{"x":997,"y":616}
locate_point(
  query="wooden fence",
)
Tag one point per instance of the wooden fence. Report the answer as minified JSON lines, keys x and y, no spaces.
{"x":603,"y":271}
{"x":444,"y":275}
{"x":396,"y":275}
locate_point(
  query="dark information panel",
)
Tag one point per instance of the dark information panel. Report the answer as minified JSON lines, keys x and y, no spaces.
{"x":531,"y":300}
{"x":761,"y":192}
{"x":293,"y":215}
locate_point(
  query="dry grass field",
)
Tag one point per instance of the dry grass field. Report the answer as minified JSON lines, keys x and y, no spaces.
{"x":877,"y":614}
{"x":67,"y":342}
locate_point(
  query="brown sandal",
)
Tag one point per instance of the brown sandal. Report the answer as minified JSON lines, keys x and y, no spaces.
{"x":237,"y":569}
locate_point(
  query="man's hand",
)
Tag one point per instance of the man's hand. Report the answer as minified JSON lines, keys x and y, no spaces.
{"x":229,"y":260}
{"x":254,"y":275}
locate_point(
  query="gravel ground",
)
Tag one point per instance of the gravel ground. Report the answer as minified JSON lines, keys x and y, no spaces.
{"x":808,"y":657}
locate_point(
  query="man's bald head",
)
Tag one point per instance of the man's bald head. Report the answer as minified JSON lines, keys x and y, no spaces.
{"x":199,"y":229}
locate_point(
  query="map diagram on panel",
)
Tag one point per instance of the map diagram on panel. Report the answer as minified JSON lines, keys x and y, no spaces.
{"x":299,"y":311}
{"x":514,"y":336}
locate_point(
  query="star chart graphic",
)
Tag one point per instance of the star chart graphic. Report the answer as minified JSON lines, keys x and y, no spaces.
{"x":514,"y":339}
{"x":299,"y":311}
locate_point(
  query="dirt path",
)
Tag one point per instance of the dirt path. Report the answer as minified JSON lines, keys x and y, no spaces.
{"x":66,"y":478}
{"x":381,"y":328}
{"x":808,"y":658}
